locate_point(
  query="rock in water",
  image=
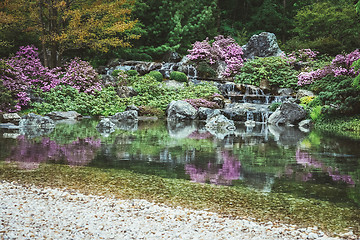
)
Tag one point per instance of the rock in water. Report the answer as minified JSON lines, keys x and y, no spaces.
{"x":287,"y":114}
{"x":180,"y":110}
{"x":262,"y":45}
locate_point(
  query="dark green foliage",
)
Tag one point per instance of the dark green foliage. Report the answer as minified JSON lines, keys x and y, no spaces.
{"x":276,"y":70}
{"x":356,"y":66}
{"x":338,"y":95}
{"x":157,"y":75}
{"x":329,"y":26}
{"x":174,"y":25}
{"x":7,"y":100}
{"x":274,"y":106}
{"x":115,"y":73}
{"x":178,"y":76}
{"x":66,"y":98}
{"x":205,"y":71}
{"x":132,"y":73}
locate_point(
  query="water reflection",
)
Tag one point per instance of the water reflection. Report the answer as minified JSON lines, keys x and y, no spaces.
{"x":220,"y":175}
{"x":28,"y":153}
{"x":260,"y":156}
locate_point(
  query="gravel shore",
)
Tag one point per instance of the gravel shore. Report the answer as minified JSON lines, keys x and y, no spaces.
{"x":28,"y":212}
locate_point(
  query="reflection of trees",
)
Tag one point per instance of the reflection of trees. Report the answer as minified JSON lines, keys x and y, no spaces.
{"x":305,"y":159}
{"x":229,"y":171}
{"x":30,"y":153}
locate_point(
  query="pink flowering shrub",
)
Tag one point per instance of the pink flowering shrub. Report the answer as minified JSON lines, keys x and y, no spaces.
{"x":340,"y":66}
{"x":81,"y":76}
{"x":222,"y":49}
{"x":24,"y":72}
{"x":302,"y":55}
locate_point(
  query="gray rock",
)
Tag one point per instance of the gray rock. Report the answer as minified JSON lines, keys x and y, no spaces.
{"x":173,"y":84}
{"x":172,"y":57}
{"x":304,"y":93}
{"x":132,"y":107}
{"x":287,"y":114}
{"x":9,"y":118}
{"x":246,"y":111}
{"x":105,"y":124}
{"x":180,"y":110}
{"x":125,"y":92}
{"x":36,"y":121}
{"x":131,"y":116}
{"x":262,"y":45}
{"x":33,"y":125}
{"x":285,"y":91}
{"x":205,"y":113}
{"x":71,"y":115}
{"x":220,"y":126}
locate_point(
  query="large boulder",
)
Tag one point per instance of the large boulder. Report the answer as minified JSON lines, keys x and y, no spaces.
{"x":127,"y":116}
{"x":262,"y":45}
{"x":180,"y":110}
{"x":287,"y":114}
{"x":70,"y":115}
{"x":34,"y":125}
{"x":205,"y":113}
{"x":246,"y":111}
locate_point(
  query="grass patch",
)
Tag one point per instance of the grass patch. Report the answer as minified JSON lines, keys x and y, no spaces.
{"x":341,"y":126}
{"x":228,"y":201}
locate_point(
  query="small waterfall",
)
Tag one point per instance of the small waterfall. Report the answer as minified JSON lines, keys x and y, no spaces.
{"x":167,"y":68}
{"x":249,"y":116}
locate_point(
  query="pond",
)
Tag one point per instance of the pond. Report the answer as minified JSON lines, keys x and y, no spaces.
{"x":267,"y":158}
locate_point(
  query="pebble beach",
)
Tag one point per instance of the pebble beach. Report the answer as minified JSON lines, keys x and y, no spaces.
{"x":29,"y":212}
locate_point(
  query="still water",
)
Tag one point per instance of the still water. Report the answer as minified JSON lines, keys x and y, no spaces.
{"x":267,"y":158}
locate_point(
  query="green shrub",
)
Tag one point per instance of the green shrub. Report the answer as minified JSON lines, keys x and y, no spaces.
{"x":178,"y":76}
{"x":315,"y":113}
{"x":276,"y":70}
{"x":205,"y":71}
{"x":7,"y":99}
{"x":66,"y":98}
{"x":132,"y":73}
{"x":116,"y":73}
{"x":157,"y":75}
{"x":274,"y":106}
{"x":338,"y":94}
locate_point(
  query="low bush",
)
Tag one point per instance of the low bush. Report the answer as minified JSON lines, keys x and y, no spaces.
{"x":205,"y":71}
{"x":156,"y":75}
{"x":278,"y":71}
{"x":178,"y":76}
{"x":132,"y":73}
{"x":66,"y":98}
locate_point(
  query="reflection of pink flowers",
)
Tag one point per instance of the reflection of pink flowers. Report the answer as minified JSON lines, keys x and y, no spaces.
{"x":30,"y":154}
{"x":229,"y":171}
{"x":306,"y":160}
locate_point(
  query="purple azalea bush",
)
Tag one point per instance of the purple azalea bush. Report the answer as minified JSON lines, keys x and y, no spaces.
{"x":222,"y":49}
{"x":25,"y":72}
{"x":340,"y":66}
